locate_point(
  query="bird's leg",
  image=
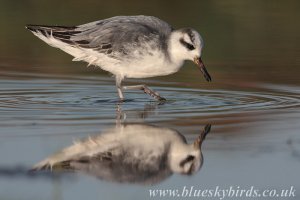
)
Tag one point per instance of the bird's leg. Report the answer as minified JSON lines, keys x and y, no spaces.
{"x":119,"y":88}
{"x":120,"y":115}
{"x":121,"y":96}
{"x":120,"y":93}
{"x":146,"y":89}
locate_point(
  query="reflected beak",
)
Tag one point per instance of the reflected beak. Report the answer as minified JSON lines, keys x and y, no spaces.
{"x":200,"y":139}
{"x":197,"y":143}
{"x":202,"y":68}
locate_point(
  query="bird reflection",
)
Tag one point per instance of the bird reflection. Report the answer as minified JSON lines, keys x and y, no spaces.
{"x":131,"y":153}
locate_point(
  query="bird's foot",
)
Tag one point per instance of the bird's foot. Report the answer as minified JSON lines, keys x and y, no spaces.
{"x":152,"y":93}
{"x":146,"y":90}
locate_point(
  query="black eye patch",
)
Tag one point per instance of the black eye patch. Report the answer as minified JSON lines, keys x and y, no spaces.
{"x":187,"y":159}
{"x":187,"y":45}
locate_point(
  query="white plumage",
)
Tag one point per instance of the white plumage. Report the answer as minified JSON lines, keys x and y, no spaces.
{"x":131,"y":153}
{"x":128,"y":47}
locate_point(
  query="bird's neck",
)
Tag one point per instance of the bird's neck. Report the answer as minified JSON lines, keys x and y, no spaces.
{"x":177,"y":152}
{"x":175,"y":49}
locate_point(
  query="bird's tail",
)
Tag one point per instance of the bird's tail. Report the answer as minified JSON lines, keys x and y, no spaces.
{"x":62,"y":33}
{"x":47,"y":166}
{"x":46,"y":28}
{"x":60,"y":37}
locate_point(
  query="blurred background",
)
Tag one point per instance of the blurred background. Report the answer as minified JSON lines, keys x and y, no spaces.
{"x":257,"y":40}
{"x":252,"y":52}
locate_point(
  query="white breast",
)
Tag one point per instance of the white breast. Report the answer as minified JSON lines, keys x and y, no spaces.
{"x":135,"y":66}
{"x":149,"y":65}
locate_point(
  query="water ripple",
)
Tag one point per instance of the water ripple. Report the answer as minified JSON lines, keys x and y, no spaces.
{"x":44,"y":98}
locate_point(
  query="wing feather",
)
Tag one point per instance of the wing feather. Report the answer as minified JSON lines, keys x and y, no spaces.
{"x":119,"y":34}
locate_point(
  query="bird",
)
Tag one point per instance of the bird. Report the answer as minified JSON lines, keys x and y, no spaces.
{"x":128,"y":47}
{"x":142,"y":154}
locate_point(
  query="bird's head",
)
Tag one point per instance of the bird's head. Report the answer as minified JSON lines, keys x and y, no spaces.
{"x":187,"y":158}
{"x":186,"y":44}
{"x":187,"y":162}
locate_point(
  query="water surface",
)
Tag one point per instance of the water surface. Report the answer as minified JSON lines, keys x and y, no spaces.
{"x":253,"y":130}
{"x":253,"y":103}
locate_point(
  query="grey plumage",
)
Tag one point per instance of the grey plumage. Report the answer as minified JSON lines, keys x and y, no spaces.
{"x":128,"y":47}
{"x":132,"y":153}
{"x":116,"y":35}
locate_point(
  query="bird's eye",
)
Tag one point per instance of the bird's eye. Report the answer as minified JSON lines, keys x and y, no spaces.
{"x":187,"y":45}
{"x":186,"y":160}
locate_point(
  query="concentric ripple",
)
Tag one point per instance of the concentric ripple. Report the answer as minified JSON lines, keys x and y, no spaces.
{"x":230,"y":101}
{"x":87,"y":100}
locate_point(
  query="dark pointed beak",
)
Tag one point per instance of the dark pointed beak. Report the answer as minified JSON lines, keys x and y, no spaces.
{"x":201,"y":138}
{"x":202,"y":68}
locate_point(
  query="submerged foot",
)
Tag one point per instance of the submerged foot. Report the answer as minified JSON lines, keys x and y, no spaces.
{"x":152,"y":93}
{"x":146,"y":90}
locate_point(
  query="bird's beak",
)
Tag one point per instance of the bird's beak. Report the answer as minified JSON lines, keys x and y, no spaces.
{"x":197,"y":143}
{"x":202,"y":68}
{"x":200,"y":139}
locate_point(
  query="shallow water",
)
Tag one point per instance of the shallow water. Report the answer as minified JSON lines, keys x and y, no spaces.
{"x":255,"y":133}
{"x":253,"y":103}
